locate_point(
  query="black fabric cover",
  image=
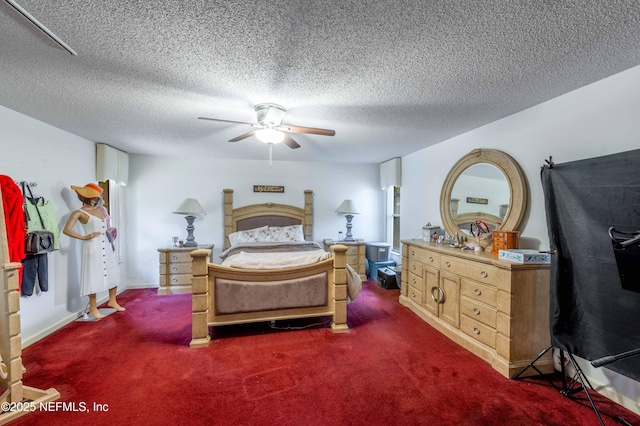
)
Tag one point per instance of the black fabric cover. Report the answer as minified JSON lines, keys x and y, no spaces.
{"x":591,"y":314}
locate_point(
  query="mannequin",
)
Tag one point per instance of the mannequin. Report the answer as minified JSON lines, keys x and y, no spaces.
{"x":99,"y":270}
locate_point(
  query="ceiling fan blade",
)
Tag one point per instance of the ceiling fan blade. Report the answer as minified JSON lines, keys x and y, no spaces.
{"x":246,"y":135}
{"x":288,"y":140}
{"x":226,"y":121}
{"x":308,"y":130}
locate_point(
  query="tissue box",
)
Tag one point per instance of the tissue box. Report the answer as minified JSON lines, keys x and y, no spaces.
{"x":524,"y":256}
{"x":431,"y":233}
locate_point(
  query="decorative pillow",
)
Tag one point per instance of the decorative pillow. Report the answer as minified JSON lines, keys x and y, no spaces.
{"x":257,"y":235}
{"x":283,"y":234}
{"x":233,"y":238}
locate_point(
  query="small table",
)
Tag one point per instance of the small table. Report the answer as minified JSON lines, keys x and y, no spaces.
{"x":355,"y":254}
{"x":175,"y":268}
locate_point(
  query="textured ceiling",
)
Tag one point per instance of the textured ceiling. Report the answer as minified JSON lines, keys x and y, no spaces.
{"x":390,"y":77}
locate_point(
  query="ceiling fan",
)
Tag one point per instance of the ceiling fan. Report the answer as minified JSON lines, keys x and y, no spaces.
{"x":269,"y":128}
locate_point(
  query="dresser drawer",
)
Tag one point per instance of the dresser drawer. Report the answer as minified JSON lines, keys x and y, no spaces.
{"x":481,"y":332}
{"x":425,"y":257}
{"x":478,"y":311}
{"x":175,"y":268}
{"x":183,"y":257}
{"x":480,"y":292}
{"x":352,"y":250}
{"x":476,"y":271}
{"x":416,"y":295}
{"x":178,"y":279}
{"x":353,"y":260}
{"x":416,"y":282}
{"x":415,"y":267}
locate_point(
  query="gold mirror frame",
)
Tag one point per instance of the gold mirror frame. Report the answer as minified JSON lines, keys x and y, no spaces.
{"x":514,"y":175}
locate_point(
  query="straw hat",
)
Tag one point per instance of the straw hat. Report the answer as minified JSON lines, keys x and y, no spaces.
{"x":90,"y":190}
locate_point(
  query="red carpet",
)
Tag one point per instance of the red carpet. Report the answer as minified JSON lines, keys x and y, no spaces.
{"x":391,"y":369}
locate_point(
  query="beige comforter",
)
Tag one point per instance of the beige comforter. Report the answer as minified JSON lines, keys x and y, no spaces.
{"x":246,"y":260}
{"x":270,"y":256}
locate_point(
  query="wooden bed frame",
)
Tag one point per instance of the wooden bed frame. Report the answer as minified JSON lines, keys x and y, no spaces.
{"x":205,"y":274}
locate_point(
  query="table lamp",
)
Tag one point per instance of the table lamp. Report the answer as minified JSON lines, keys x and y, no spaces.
{"x":350,"y":208}
{"x":190,"y":207}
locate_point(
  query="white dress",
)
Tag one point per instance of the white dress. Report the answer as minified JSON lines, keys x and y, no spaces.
{"x":99,"y":271}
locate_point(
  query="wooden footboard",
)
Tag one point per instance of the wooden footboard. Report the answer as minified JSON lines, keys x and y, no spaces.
{"x":205,"y":274}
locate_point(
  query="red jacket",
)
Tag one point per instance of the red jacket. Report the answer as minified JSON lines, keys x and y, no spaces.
{"x":12,"y":201}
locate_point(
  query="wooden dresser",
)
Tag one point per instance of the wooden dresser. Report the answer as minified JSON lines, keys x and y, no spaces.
{"x":496,"y":309}
{"x":355,"y":255}
{"x":175,"y":269}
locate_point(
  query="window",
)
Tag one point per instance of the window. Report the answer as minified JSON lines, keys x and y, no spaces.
{"x":393,"y":217}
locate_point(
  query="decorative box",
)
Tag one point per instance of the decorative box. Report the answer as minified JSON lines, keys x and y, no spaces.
{"x":431,"y":232}
{"x":503,"y":240}
{"x":525,"y":256}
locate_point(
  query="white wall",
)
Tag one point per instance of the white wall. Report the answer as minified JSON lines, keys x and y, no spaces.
{"x":596,"y":120}
{"x":157,"y":186}
{"x":37,"y":152}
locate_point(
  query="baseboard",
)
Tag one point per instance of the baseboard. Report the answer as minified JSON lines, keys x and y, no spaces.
{"x":74,"y":316}
{"x":610,"y":393}
{"x":142,"y":286}
{"x":52,"y":328}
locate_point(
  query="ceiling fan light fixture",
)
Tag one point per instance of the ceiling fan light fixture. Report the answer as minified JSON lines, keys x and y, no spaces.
{"x":269,"y":136}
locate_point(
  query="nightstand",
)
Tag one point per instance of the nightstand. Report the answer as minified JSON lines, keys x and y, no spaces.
{"x":355,"y":254}
{"x":175,"y":268}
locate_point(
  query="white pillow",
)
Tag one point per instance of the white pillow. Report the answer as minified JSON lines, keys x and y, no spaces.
{"x":234,"y":237}
{"x":257,"y":235}
{"x":283,"y":234}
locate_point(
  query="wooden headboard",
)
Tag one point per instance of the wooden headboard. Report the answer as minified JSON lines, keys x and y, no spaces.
{"x":272,"y":214}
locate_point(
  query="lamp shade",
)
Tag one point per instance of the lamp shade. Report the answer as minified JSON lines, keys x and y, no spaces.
{"x":190,"y":206}
{"x":348,"y":207}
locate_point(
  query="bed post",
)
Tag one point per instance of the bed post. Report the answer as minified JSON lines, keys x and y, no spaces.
{"x":228,"y":215}
{"x":200,"y":293}
{"x":339,"y":289}
{"x":308,"y":215}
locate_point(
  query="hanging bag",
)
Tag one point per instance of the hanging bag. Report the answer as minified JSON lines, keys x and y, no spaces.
{"x":112,"y":232}
{"x":39,"y":241}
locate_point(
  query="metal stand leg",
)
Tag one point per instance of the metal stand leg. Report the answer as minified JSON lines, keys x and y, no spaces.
{"x":582,"y":379}
{"x":566,"y":389}
{"x":532,"y":365}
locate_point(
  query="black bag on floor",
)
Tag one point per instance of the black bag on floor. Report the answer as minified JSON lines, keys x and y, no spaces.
{"x":387,"y":278}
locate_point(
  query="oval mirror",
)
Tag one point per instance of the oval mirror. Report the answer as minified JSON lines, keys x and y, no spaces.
{"x":485,"y":185}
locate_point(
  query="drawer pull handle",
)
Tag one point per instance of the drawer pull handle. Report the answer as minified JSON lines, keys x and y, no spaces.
{"x":441,"y":296}
{"x":431,"y":259}
{"x":483,"y":274}
{"x":477,"y":292}
{"x":414,"y":280}
{"x":414,"y":267}
{"x":174,"y":257}
{"x":448,"y":264}
{"x":413,"y":253}
{"x":174,"y":280}
{"x":174,"y":269}
{"x":476,"y":311}
{"x":476,"y":330}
